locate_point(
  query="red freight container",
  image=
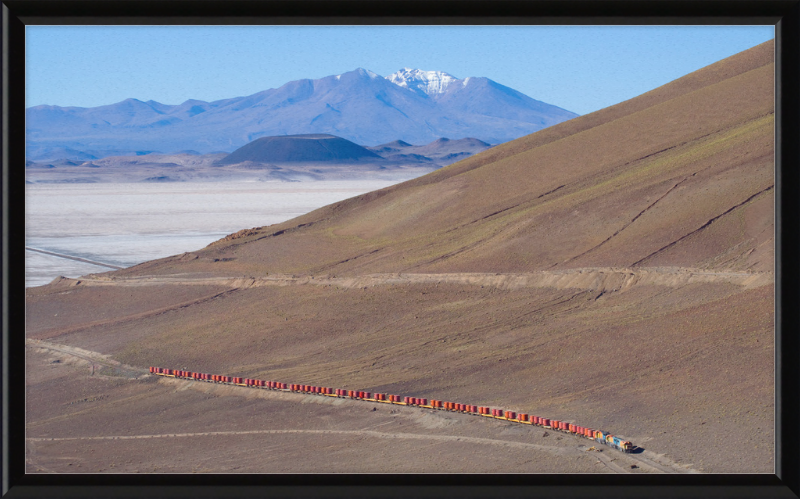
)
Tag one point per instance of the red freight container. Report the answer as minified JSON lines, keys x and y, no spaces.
{"x":152,"y":369}
{"x":555,"y":424}
{"x":367,"y":395}
{"x":422,"y":401}
{"x":564,"y":425}
{"x":511,"y":415}
{"x":407,"y":400}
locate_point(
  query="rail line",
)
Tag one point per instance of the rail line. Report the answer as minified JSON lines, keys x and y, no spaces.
{"x":473,"y":410}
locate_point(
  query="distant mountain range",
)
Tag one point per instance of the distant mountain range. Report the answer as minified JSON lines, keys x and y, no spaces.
{"x":411,"y":105}
{"x":282,"y":157}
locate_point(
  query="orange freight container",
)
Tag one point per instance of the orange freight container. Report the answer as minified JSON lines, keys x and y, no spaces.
{"x":523,"y":417}
{"x":511,"y":415}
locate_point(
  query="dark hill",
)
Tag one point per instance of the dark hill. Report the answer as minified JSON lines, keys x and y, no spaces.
{"x":306,"y":148}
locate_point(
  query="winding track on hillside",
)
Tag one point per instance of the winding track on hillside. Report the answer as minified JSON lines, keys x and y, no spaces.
{"x":609,"y":278}
{"x":647,"y":460}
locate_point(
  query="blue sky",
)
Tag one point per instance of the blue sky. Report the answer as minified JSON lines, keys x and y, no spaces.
{"x":579,"y":68}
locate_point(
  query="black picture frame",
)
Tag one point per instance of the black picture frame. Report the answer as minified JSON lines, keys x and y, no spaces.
{"x":785,"y":15}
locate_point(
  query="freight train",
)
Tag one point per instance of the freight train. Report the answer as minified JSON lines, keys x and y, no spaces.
{"x":551,"y":424}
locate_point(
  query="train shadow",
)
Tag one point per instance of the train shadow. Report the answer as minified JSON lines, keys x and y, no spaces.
{"x":637,"y":450}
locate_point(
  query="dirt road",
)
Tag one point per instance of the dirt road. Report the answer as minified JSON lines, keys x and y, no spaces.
{"x":603,"y":279}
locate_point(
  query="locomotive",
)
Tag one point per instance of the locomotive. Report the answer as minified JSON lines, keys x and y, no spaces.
{"x":551,"y":424}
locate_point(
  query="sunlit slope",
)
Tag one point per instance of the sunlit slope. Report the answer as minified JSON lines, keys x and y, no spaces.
{"x":680,"y":176}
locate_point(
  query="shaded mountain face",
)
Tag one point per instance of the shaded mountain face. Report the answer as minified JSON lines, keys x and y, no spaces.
{"x":299,"y":148}
{"x":442,"y":151}
{"x":679,"y":176}
{"x":359,"y":106}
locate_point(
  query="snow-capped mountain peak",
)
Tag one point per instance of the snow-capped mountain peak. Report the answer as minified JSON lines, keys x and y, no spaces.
{"x":430,"y":83}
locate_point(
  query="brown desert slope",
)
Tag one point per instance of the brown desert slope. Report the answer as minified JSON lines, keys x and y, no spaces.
{"x":680,"y":176}
{"x":615,"y":271}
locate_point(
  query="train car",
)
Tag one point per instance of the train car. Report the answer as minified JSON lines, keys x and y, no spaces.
{"x":571,"y":428}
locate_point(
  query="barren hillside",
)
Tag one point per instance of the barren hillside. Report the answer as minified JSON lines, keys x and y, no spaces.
{"x":616,"y":270}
